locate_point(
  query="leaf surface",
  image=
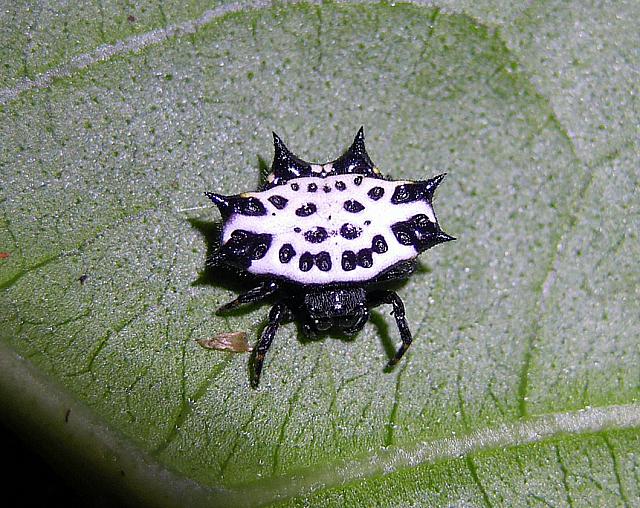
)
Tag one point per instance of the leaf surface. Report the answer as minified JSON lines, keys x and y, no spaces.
{"x":521,"y":384}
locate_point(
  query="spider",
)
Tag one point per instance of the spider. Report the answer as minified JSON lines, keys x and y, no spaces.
{"x":320,"y":239}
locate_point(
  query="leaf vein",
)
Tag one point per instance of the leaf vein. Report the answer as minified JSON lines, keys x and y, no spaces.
{"x":471,"y":466}
{"x":616,"y":469}
{"x":292,"y":404}
{"x":393,"y":415}
{"x":73,"y":249}
{"x":564,"y":477}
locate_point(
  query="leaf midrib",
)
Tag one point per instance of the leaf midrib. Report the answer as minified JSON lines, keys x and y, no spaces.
{"x":393,"y":459}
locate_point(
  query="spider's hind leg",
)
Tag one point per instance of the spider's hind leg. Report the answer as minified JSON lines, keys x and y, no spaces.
{"x":265,"y":289}
{"x":380,"y":297}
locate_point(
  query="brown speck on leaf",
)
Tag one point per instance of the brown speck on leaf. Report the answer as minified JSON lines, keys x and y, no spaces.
{"x":229,"y":341}
{"x":83,"y":278}
{"x":66,"y":416}
{"x":4,"y":255}
{"x":131,"y":18}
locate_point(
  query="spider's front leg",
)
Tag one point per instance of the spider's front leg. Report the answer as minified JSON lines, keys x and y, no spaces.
{"x":279,"y":314}
{"x":265,"y":289}
{"x":380,"y":297}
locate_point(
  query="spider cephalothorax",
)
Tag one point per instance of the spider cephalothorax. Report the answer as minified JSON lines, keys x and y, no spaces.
{"x":320,"y":238}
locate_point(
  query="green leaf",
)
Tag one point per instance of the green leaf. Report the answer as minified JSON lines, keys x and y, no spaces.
{"x":521,"y":385}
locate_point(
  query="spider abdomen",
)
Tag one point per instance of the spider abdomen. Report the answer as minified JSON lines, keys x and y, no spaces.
{"x":335,"y":229}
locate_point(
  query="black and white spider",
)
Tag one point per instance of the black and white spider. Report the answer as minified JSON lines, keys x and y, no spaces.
{"x":321,"y":238}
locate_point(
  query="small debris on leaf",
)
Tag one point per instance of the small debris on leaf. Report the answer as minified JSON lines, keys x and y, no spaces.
{"x":228,"y":341}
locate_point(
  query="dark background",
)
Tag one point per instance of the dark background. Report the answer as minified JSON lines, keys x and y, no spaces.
{"x":29,"y":480}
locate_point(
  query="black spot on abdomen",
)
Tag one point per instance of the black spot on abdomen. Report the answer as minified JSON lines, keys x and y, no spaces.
{"x":403,"y":233}
{"x":243,"y":247}
{"x":407,"y":193}
{"x":349,"y":260}
{"x":306,"y":262}
{"x":286,"y":253}
{"x":316,"y":235}
{"x":379,"y":244}
{"x":365,"y":260}
{"x":340,"y":185}
{"x":349,"y":231}
{"x":353,"y":206}
{"x":376,"y":193}
{"x":306,"y":210}
{"x":418,"y":231}
{"x":250,"y":206}
{"x":323,"y":261}
{"x":259,"y":250}
{"x":278,"y":201}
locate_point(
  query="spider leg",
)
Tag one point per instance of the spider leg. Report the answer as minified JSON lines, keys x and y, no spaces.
{"x":256,"y":294}
{"x":380,"y":297}
{"x":279,"y":314}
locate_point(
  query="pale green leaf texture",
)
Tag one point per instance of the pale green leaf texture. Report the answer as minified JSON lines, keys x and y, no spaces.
{"x":521,"y":387}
